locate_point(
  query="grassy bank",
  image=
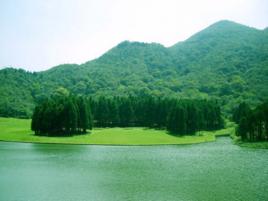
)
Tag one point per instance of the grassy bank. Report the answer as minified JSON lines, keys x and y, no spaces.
{"x":19,"y":130}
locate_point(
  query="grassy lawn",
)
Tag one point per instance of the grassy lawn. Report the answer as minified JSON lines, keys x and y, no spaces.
{"x":19,"y":130}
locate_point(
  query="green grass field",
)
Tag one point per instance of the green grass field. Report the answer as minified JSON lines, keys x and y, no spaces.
{"x":19,"y":130}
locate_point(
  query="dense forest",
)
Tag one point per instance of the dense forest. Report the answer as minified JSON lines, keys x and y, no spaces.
{"x":252,"y":124}
{"x":70,"y":115}
{"x":227,"y":62}
{"x":179,"y":116}
{"x":62,"y":115}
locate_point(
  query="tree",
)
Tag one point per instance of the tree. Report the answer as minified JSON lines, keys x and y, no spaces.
{"x":243,"y":128}
{"x":35,"y":124}
{"x":83,"y":118}
{"x":241,"y":111}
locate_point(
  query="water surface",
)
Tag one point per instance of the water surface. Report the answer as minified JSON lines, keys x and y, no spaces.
{"x":217,"y":171}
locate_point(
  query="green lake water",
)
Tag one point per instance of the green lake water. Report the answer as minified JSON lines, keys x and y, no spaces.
{"x":216,"y":171}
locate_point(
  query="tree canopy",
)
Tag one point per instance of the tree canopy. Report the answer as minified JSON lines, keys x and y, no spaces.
{"x":253,"y":124}
{"x":69,"y":115}
{"x":62,"y":116}
{"x":179,"y":116}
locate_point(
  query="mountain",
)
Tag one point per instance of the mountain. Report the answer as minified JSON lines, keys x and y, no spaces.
{"x":226,"y":61}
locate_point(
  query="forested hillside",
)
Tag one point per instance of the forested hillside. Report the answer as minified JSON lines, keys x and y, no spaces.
{"x":226,"y":61}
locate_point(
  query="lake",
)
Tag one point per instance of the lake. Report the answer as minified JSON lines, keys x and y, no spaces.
{"x":216,"y":171}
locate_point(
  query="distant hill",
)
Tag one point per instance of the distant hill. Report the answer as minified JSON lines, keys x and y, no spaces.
{"x":226,"y":61}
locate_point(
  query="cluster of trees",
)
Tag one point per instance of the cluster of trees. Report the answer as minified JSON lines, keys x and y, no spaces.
{"x":62,"y":116}
{"x":177,"y":116}
{"x":189,"y":117}
{"x":252,"y":124}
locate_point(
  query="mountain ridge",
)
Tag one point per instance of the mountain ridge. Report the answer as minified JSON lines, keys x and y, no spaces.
{"x":225,"y":61}
{"x":217,"y":24}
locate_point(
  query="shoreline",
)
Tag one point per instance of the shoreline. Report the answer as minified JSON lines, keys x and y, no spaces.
{"x":119,"y":145}
{"x":255,"y":145}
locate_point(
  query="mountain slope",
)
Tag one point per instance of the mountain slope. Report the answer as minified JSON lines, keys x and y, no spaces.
{"x":227,"y":61}
{"x":229,"y":55}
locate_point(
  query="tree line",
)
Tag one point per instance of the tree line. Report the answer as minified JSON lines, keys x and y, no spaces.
{"x":68,"y":115}
{"x":176,"y":115}
{"x":252,"y":124}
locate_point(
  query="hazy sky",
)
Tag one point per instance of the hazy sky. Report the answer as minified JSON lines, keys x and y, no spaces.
{"x":39,"y":34}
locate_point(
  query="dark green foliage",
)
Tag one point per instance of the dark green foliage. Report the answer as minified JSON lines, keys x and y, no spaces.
{"x":177,"y":120}
{"x":253,"y":124}
{"x":226,"y":61}
{"x":177,"y":116}
{"x":84,"y":115}
{"x":62,"y":116}
{"x":240,"y":112}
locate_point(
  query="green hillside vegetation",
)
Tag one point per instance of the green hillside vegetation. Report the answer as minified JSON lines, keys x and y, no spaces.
{"x":226,"y":61}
